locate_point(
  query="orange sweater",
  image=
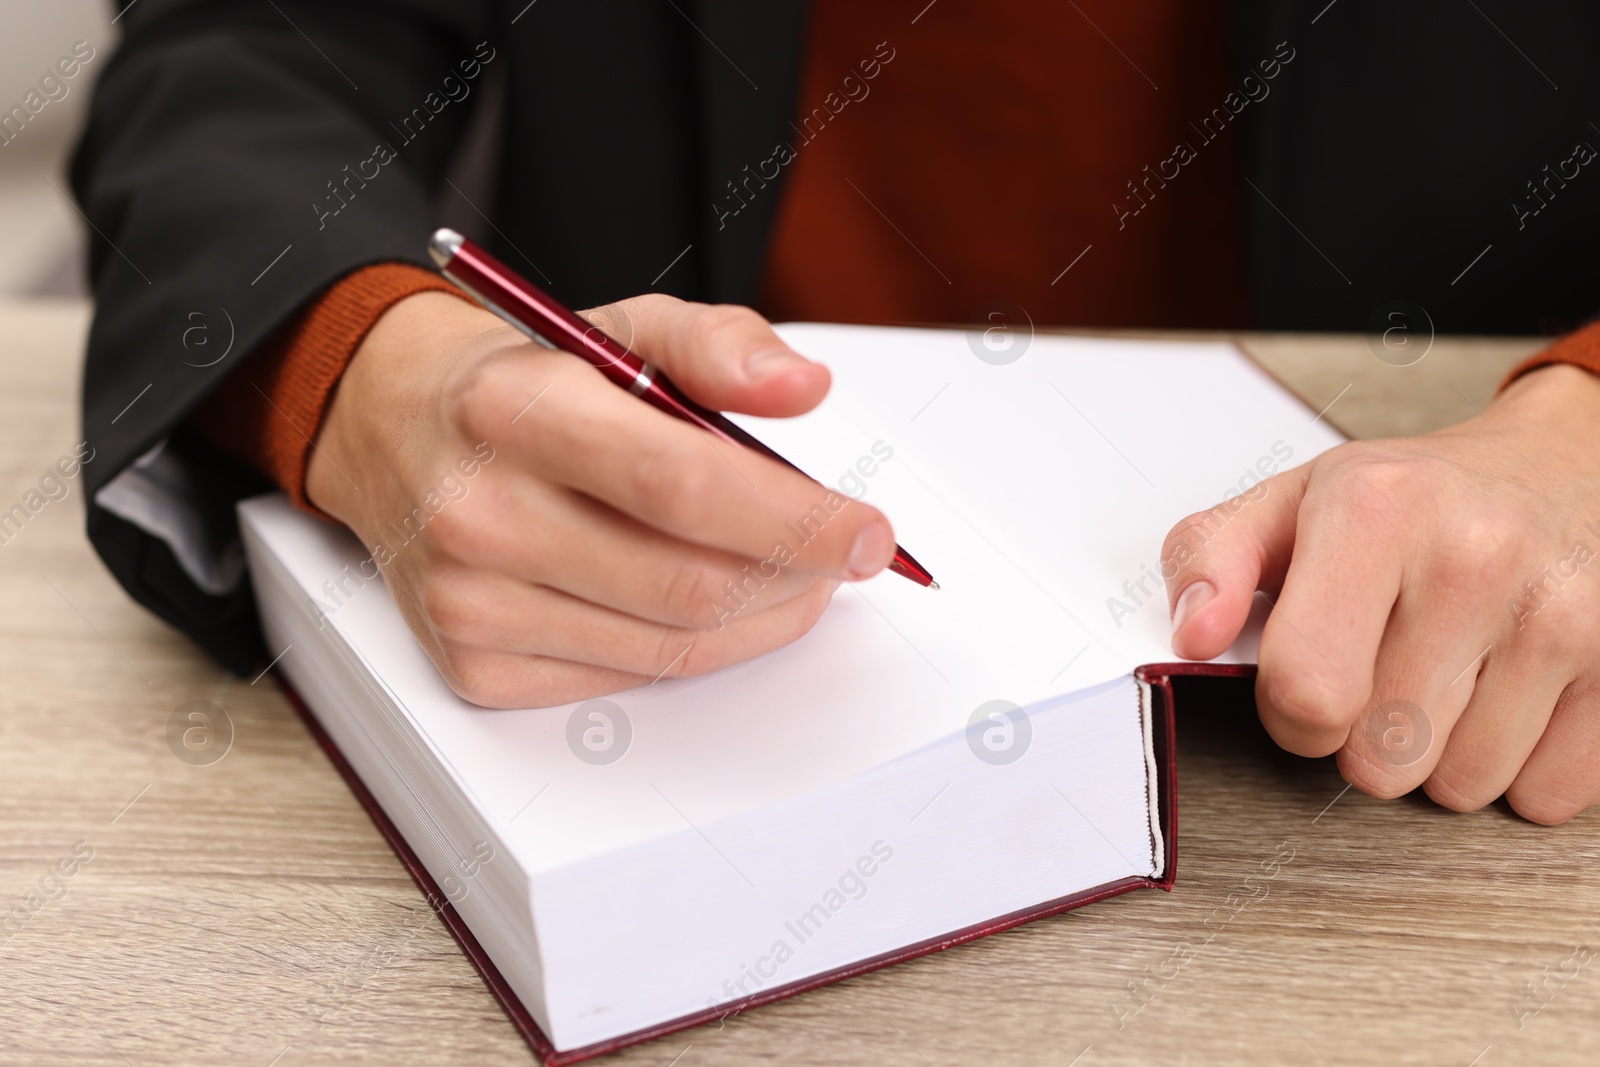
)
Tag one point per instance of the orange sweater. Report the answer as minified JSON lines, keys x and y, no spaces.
{"x":268,"y":411}
{"x":909,"y":148}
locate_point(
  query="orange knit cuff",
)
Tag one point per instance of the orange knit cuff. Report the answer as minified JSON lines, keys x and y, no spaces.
{"x":269,"y":410}
{"x":1580,"y":348}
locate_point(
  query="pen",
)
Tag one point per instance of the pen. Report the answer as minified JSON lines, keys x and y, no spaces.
{"x":549,"y":323}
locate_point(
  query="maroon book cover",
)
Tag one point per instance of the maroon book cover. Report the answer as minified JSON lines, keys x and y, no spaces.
{"x":1157,"y":677}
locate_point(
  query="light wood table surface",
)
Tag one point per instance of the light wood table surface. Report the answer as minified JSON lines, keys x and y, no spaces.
{"x":248,"y":912}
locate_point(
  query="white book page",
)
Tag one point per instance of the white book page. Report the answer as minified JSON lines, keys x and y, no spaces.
{"x":1072,"y":462}
{"x":1023,"y":511}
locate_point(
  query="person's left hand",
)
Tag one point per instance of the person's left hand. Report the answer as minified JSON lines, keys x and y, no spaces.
{"x":1436,"y":603}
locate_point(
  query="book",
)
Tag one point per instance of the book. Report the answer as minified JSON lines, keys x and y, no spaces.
{"x":922,"y":768}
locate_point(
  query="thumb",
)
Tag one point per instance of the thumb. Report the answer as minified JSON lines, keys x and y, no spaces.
{"x":724,"y":356}
{"x":1215,"y":560}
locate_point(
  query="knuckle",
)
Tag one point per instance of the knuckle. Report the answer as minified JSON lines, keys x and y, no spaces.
{"x":1375,"y":490}
{"x":1561,"y":629}
{"x":1479,"y":553}
{"x":1489,"y":539}
{"x":780,"y":625}
{"x":672,"y":488}
{"x":495,"y":680}
{"x":609,"y":317}
{"x":1543,"y":805}
{"x":679,"y":655}
{"x":621,"y":320}
{"x":1187,"y":541}
{"x":813,"y":604}
{"x":470,"y":674}
{"x":486,"y":396}
{"x":454,"y":530}
{"x":1454,"y":790}
{"x":1371,"y":777}
{"x":712,"y":325}
{"x":448,"y":612}
{"x":1305,"y":700}
{"x":477,"y":394}
{"x":688,"y":596}
{"x":643,"y":305}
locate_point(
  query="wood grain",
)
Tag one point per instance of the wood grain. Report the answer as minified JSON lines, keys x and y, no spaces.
{"x":247,"y":911}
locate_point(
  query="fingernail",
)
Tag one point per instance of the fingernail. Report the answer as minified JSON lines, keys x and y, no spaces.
{"x":1191,"y":600}
{"x":870,"y":553}
{"x":765,"y":362}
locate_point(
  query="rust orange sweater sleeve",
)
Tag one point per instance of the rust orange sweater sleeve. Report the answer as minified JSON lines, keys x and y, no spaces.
{"x":1580,"y":348}
{"x":268,"y":411}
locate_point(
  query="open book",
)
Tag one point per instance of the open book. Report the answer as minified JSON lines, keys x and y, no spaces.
{"x":924,"y":766}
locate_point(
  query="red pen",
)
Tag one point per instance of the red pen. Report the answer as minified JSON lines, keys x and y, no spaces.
{"x":544,"y":319}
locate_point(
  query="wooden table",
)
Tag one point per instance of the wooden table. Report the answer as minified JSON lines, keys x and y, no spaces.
{"x":248,"y":912}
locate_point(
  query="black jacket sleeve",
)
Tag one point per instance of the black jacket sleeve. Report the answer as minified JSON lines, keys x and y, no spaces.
{"x":240,"y":156}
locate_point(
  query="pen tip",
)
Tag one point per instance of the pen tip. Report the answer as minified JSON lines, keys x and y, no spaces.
{"x":933,"y":585}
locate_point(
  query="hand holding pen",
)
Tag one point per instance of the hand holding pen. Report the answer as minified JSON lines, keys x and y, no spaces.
{"x":547,"y":537}
{"x":540,"y":316}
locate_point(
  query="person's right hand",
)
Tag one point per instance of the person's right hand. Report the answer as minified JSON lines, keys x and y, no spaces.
{"x":604,"y":544}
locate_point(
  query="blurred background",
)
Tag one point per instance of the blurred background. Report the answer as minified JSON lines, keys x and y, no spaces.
{"x":43,"y":253}
{"x":43,"y":250}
